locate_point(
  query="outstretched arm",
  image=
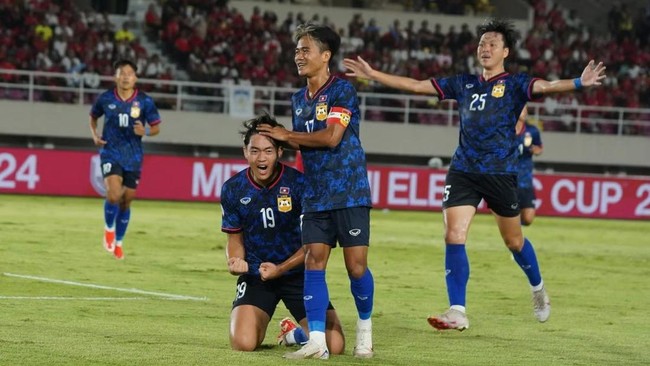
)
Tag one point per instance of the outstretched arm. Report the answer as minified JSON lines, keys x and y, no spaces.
{"x":592,"y":75}
{"x":361,"y":69}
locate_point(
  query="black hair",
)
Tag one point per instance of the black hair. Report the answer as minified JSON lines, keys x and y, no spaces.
{"x":326,"y":37}
{"x":123,"y":62}
{"x":503,"y":26}
{"x":250,"y":128}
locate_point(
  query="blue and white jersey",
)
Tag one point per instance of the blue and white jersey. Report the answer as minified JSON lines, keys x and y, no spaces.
{"x":336,"y":177}
{"x":268,"y":217}
{"x":529,"y":136}
{"x":123,"y":146}
{"x":489,"y":110}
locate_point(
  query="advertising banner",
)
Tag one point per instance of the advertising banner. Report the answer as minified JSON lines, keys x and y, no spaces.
{"x":77,"y":173}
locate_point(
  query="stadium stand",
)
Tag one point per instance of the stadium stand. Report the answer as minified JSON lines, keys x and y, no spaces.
{"x":225,"y":43}
{"x":557,"y":46}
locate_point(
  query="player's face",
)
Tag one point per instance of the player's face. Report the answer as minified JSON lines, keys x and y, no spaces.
{"x":125,"y":77}
{"x":262,"y":158}
{"x":491,"y":50}
{"x":308,"y":57}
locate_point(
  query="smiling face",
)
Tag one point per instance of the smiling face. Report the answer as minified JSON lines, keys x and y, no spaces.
{"x":491,"y":51}
{"x":262,"y":158}
{"x":309,"y":58}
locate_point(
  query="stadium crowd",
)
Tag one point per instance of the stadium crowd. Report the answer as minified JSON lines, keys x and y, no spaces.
{"x":39,"y":35}
{"x":214,"y":42}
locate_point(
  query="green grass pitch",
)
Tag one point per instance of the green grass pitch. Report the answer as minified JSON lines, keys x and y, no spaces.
{"x":124,"y":312}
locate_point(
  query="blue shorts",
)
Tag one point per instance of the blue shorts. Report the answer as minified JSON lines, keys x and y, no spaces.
{"x":130,"y":179}
{"x":350,"y":227}
{"x":498,"y":190}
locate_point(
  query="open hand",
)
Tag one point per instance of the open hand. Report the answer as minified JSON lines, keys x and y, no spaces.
{"x":593,"y":74}
{"x":278,"y":132}
{"x":358,"y":68}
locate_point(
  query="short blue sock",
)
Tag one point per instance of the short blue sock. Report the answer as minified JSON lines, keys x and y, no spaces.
{"x":527,"y":260}
{"x":300,"y":336}
{"x":363,"y":290}
{"x":110,"y":213}
{"x":456,"y":273}
{"x":316,"y":297}
{"x":121,"y":223}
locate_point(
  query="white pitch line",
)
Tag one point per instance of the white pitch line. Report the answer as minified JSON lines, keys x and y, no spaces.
{"x":131,"y":290}
{"x":73,"y":298}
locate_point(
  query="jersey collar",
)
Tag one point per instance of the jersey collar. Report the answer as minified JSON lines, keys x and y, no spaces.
{"x":135,"y":94}
{"x":495,"y":77}
{"x":275,"y":180}
{"x":329,"y":81}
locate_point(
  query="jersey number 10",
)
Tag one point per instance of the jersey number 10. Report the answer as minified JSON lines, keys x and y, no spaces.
{"x":124,"y":120}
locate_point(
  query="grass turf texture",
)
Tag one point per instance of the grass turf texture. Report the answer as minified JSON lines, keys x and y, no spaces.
{"x":596,"y":273}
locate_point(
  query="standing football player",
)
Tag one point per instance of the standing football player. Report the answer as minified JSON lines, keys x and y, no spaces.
{"x":486,"y":162}
{"x":261,"y":209}
{"x":129,"y":114}
{"x":337,"y":201}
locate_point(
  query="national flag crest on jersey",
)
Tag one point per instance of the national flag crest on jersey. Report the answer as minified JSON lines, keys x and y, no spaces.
{"x":135,"y":109}
{"x":321,"y":111}
{"x":499,"y":89}
{"x":284,"y":203}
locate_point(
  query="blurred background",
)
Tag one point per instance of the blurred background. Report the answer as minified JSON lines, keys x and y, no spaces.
{"x":211,"y":64}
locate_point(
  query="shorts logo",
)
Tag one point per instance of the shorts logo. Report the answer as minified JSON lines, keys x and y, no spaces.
{"x":284,"y":203}
{"x":355,"y":232}
{"x":499,"y":89}
{"x":514,"y":206}
{"x":245,"y":200}
{"x":135,"y":109}
{"x":307,"y":298}
{"x":321,"y":111}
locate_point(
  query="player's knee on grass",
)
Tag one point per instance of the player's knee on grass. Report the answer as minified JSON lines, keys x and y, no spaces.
{"x":245,"y":342}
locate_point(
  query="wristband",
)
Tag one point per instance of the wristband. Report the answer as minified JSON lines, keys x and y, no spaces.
{"x":147,"y":131}
{"x":577,"y":83}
